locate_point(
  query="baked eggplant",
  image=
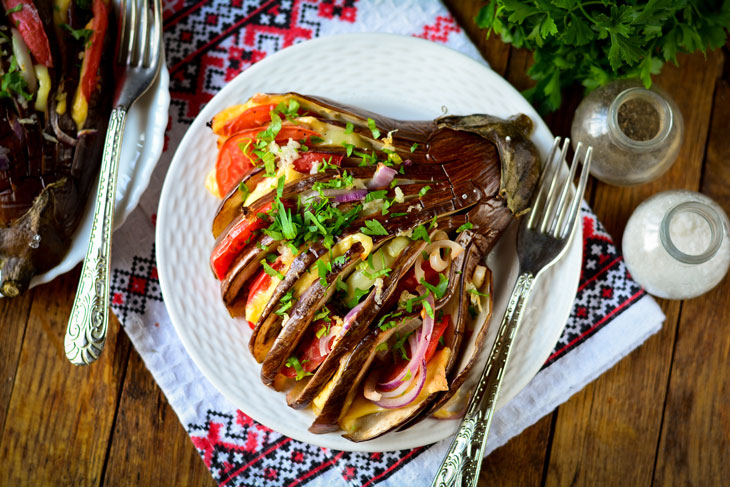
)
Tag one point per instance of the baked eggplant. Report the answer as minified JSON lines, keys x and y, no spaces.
{"x":53,"y":117}
{"x":354,"y":245}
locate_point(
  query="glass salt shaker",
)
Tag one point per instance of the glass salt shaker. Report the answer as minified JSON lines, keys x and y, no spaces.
{"x":635,"y":133}
{"x":676,"y":244}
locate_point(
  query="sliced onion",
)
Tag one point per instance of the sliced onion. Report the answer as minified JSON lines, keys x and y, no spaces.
{"x":408,"y":397}
{"x":351,"y":195}
{"x":412,"y":342}
{"x":418,"y":352}
{"x":437,"y":262}
{"x":480,"y":272}
{"x":350,"y":318}
{"x":324,"y":344}
{"x":382,"y":177}
{"x":62,"y":136}
{"x":22,"y":55}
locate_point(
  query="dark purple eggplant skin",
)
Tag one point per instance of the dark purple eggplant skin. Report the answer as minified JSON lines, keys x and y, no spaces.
{"x":44,"y":189}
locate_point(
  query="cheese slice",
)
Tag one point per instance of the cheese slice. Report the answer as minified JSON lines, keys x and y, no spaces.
{"x":435,"y":382}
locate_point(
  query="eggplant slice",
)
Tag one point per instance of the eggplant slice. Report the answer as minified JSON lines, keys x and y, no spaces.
{"x":48,"y":160}
{"x":467,"y":175}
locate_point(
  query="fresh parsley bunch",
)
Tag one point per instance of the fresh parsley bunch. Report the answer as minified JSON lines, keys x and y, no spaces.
{"x":595,"y":41}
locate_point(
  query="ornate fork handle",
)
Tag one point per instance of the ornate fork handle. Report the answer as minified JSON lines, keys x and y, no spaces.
{"x":464,"y":458}
{"x":87,"y":325}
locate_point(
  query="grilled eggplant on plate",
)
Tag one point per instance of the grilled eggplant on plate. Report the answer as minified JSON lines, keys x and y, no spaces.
{"x":354,"y":246}
{"x":54,"y":104}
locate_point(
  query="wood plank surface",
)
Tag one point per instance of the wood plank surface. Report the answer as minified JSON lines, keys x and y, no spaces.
{"x":60,"y":416}
{"x":594,"y":425}
{"x":695,"y":438}
{"x":147,"y":428}
{"x":660,"y":417}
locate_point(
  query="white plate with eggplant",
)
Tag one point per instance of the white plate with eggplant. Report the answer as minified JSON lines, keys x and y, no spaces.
{"x":335,"y":241}
{"x":56,"y":100}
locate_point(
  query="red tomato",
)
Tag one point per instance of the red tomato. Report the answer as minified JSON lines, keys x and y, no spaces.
{"x":262,"y":283}
{"x":234,"y":241}
{"x":31,"y":29}
{"x":308,"y":351}
{"x":233,"y":164}
{"x":306,"y":159}
{"x":409,"y":282}
{"x":252,"y":118}
{"x":439,"y":327}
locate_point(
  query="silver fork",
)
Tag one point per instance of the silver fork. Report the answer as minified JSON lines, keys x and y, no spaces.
{"x":541,"y":240}
{"x":137,"y":66}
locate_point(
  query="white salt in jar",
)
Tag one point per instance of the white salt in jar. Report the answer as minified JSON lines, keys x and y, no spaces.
{"x":676,"y":244}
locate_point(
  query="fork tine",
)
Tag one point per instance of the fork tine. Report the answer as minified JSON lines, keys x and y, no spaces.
{"x":546,"y":215}
{"x":541,"y":183}
{"x":560,"y":209}
{"x":144,"y":26}
{"x":155,"y":44}
{"x":132,"y":32}
{"x":578,"y":196}
{"x":122,"y":35}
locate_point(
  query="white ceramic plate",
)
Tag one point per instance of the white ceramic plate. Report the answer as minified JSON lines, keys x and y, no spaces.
{"x":397,"y":76}
{"x":144,"y":137}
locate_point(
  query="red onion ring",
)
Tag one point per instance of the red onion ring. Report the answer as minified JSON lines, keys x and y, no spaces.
{"x":350,"y":318}
{"x":382,"y":177}
{"x":423,"y":339}
{"x":408,"y":397}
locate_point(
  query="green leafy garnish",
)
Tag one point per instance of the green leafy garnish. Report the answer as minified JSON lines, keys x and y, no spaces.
{"x":348,"y":148}
{"x":429,"y":309}
{"x":297,"y":366}
{"x":420,"y":232}
{"x":349,"y":128}
{"x":398,"y":346}
{"x":359,"y":293}
{"x":438,"y":290}
{"x":271,"y":271}
{"x":382,"y":347}
{"x":286,"y":302}
{"x":17,"y":8}
{"x":82,"y":35}
{"x":465,"y":226}
{"x":243,"y":189}
{"x":373,"y":129}
{"x":13,"y":82}
{"x":474,"y":291}
{"x":414,"y":147}
{"x":375,"y":195}
{"x":424,"y":190}
{"x":373,"y":227}
{"x":592,"y":42}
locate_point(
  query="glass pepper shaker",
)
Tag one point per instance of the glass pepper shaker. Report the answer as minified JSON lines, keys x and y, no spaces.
{"x":676,"y":244}
{"x":635,"y":133}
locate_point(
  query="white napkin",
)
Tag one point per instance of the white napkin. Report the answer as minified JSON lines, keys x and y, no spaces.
{"x":206,"y":45}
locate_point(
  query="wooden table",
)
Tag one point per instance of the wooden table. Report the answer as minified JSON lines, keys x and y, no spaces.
{"x":659,"y":417}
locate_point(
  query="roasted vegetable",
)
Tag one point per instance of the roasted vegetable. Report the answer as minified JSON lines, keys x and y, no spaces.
{"x":48,"y":159}
{"x":357,"y":244}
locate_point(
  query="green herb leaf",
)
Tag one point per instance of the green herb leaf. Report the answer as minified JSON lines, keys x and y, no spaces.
{"x":421,"y":233}
{"x":82,"y":35}
{"x":17,"y":8}
{"x":349,"y":128}
{"x":424,"y":190}
{"x":373,"y":129}
{"x":271,"y":271}
{"x":474,"y":291}
{"x":465,"y":226}
{"x":414,"y":147}
{"x":373,"y":227}
{"x":297,"y":366}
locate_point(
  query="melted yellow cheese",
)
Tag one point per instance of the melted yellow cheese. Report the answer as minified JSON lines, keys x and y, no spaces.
{"x":255,"y":306}
{"x":269,"y":184}
{"x":44,"y":87}
{"x":435,"y":382}
{"x":339,"y":249}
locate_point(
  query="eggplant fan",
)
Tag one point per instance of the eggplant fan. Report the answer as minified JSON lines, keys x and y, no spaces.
{"x":354,"y":246}
{"x":55,"y":99}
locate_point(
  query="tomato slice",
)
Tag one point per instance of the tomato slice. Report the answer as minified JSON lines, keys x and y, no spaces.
{"x":29,"y":24}
{"x":306,"y":160}
{"x":252,"y":118}
{"x":409,"y":282}
{"x":439,"y":327}
{"x":262,"y":283}
{"x":308,"y":351}
{"x":234,"y":241}
{"x":234,"y":163}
